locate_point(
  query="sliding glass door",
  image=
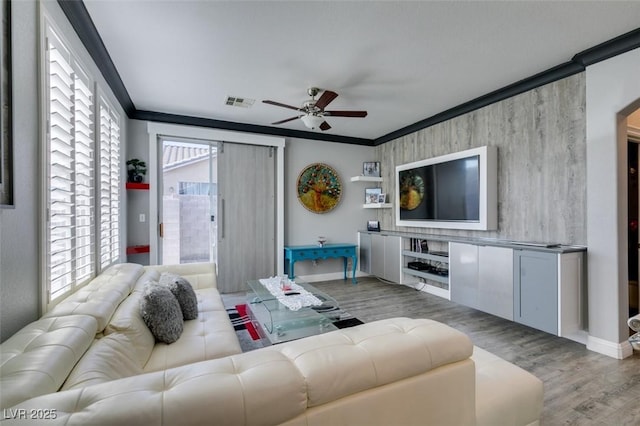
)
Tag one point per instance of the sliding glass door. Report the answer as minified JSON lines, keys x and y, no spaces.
{"x":217,"y":203}
{"x":188,"y":201}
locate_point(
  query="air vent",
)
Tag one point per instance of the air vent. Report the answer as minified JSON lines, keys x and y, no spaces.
{"x":239,"y":102}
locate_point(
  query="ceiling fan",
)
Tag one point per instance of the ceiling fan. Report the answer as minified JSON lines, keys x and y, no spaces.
{"x":313,"y":111}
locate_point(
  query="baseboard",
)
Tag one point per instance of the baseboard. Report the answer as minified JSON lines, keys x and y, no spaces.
{"x":330,"y":276}
{"x":612,"y":349}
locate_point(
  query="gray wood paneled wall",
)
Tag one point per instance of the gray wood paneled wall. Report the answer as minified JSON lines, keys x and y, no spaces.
{"x":541,"y":140}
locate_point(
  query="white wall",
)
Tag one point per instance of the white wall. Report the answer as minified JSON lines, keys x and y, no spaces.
{"x":339,"y":225}
{"x":612,"y":88}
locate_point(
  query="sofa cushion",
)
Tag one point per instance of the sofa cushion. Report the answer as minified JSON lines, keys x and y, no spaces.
{"x":127,"y":319}
{"x":505,"y":393}
{"x":250,"y":389}
{"x":368,"y":355}
{"x":37,"y":359}
{"x":112,"y":357}
{"x":200,"y":275}
{"x":161,"y":312}
{"x":209,"y":336}
{"x":182,"y":290}
{"x":102,"y":295}
{"x":147,"y":275}
{"x":209,"y":299}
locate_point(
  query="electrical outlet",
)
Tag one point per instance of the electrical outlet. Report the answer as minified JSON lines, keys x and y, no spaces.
{"x":142,"y":217}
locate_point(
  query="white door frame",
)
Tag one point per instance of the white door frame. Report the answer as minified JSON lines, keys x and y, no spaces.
{"x":181,"y":131}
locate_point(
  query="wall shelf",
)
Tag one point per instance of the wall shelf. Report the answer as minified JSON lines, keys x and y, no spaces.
{"x":427,"y":256}
{"x":443,"y":279}
{"x":136,"y":198}
{"x":136,"y":185}
{"x":138,"y":249}
{"x":377,"y":206}
{"x":366,"y":179}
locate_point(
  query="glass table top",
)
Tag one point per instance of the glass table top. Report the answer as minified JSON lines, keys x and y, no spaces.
{"x":277,"y":323}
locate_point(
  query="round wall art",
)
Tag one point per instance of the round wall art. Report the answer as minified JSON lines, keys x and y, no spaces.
{"x":411,"y":191}
{"x":319,"y":188}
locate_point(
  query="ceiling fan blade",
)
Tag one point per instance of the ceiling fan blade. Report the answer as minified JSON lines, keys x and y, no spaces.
{"x":281,"y":105}
{"x":325,"y":126}
{"x":326,"y":98}
{"x":286,"y":120}
{"x":346,"y":113}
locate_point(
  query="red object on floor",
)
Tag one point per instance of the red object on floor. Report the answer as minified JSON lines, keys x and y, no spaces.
{"x":242,"y":311}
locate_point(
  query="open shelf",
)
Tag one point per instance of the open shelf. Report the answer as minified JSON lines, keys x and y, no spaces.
{"x":427,"y":256}
{"x":138,"y":249}
{"x":136,"y":185}
{"x":366,"y":179}
{"x":377,"y":206}
{"x":443,"y":279}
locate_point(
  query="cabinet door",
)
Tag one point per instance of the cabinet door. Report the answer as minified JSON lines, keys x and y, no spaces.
{"x":495,"y":281}
{"x":463,"y":274}
{"x":535,"y":296}
{"x":364,"y":261}
{"x":392,"y":258}
{"x":377,"y":255}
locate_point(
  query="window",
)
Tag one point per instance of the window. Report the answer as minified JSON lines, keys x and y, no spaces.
{"x":109,"y":185}
{"x":71,"y":140}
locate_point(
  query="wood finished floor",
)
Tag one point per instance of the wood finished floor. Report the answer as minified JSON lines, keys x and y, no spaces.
{"x":581,"y":387}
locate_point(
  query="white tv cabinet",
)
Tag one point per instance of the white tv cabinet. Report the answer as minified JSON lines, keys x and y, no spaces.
{"x":539,"y":285}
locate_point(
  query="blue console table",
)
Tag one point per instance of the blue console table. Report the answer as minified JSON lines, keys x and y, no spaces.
{"x":296,"y":253}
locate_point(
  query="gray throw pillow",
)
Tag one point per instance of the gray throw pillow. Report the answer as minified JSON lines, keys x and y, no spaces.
{"x":161,"y":312}
{"x":183,"y":291}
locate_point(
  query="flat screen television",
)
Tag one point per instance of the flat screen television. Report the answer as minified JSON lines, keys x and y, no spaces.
{"x":454,"y":191}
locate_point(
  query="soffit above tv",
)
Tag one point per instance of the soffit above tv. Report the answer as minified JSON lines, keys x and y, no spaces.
{"x":356,"y":70}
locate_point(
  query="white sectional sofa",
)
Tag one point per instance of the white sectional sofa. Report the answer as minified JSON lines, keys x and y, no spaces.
{"x":92,"y":360}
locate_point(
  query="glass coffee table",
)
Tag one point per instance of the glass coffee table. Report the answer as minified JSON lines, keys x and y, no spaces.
{"x":276,"y":323}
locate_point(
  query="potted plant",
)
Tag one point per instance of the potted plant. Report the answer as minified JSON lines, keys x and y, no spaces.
{"x":136,"y":169}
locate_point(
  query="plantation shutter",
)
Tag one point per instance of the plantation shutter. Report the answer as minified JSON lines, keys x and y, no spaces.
{"x":70,"y":235}
{"x":84,"y":149}
{"x":109,"y":185}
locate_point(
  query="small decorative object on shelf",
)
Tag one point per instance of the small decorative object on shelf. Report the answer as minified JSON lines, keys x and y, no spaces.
{"x":322,"y":241}
{"x":382,"y":198}
{"x":136,"y":169}
{"x":371,"y":195}
{"x":371,"y":169}
{"x":373,"y":225}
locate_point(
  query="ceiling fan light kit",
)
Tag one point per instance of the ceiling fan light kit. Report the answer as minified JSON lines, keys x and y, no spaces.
{"x":312,"y":121}
{"x":313,"y":111}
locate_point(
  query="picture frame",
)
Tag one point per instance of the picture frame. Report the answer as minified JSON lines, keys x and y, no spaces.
{"x":6,"y":137}
{"x":371,"y":195}
{"x":373,"y":225}
{"x":382,"y":198}
{"x":371,"y":169}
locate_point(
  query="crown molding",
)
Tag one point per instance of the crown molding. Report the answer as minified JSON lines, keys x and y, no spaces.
{"x":540,"y":79}
{"x":82,"y":23}
{"x":162,"y":117}
{"x":609,"y":49}
{"x":578,"y":63}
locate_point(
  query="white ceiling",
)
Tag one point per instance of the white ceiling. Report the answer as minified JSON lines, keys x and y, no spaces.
{"x":401,"y":61}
